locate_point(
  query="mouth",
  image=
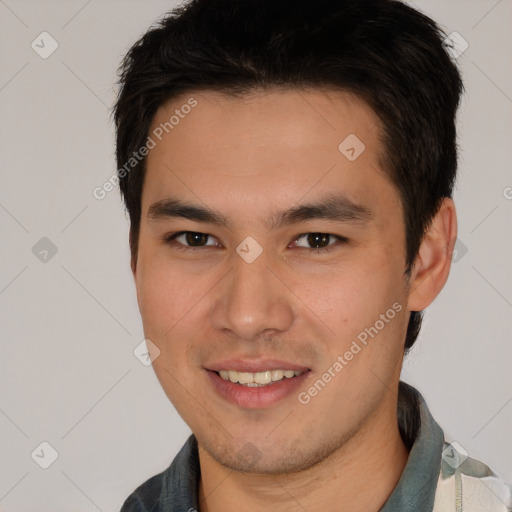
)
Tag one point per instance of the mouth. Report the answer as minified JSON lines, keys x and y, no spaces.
{"x":258,"y":379}
{"x":260,"y":388}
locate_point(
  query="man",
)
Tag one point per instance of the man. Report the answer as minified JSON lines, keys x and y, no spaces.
{"x":288,"y":170}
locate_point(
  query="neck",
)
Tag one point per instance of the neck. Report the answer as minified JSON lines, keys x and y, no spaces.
{"x":360,"y":475}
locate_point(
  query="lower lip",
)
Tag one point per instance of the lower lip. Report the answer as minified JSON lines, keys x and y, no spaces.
{"x":256,"y":397}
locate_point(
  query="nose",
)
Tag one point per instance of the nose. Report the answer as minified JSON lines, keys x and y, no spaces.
{"x":252,"y":299}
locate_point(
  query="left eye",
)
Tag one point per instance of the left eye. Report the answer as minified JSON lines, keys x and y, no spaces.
{"x":319,"y":241}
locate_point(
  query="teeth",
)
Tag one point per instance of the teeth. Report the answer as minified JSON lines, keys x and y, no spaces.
{"x":277,"y":374}
{"x":263,"y":377}
{"x":259,"y":378}
{"x":245,"y":378}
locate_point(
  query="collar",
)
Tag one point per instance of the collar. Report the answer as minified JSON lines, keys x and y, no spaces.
{"x":416,"y":489}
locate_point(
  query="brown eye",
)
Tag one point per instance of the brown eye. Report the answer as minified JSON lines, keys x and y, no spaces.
{"x":190,"y":239}
{"x":318,"y":241}
{"x":195,"y":239}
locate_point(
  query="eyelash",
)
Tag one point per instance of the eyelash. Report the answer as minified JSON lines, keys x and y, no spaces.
{"x":170,"y":239}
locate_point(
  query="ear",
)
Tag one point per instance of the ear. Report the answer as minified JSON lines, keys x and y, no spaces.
{"x":432,"y":264}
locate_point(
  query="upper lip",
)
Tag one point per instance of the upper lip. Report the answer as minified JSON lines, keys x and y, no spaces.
{"x":254,"y":365}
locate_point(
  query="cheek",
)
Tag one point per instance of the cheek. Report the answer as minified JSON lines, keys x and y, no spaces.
{"x":164,"y":295}
{"x":348,"y":299}
{"x":166,"y":303}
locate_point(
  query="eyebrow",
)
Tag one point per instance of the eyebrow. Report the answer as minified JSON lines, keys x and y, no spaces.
{"x":332,"y":207}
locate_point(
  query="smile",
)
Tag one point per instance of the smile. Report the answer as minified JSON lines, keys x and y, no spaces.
{"x":258,"y":379}
{"x":256,"y":390}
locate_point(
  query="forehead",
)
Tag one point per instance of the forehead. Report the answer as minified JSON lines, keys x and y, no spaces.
{"x":298,"y":118}
{"x":278,"y":145}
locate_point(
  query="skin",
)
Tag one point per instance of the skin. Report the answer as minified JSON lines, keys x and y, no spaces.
{"x":249,"y":157}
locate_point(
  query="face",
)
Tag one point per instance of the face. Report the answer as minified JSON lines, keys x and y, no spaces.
{"x":271,"y":240}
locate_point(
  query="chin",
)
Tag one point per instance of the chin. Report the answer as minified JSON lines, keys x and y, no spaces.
{"x":262,"y":458}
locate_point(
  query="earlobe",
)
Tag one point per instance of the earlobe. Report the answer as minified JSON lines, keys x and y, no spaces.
{"x":433,"y":262}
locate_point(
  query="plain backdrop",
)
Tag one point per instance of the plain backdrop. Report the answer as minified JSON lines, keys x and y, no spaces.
{"x":69,"y":317}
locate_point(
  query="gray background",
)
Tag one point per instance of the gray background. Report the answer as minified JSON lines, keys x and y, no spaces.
{"x":69,"y":324}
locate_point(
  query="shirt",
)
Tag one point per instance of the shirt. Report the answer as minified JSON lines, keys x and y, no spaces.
{"x":438,"y":477}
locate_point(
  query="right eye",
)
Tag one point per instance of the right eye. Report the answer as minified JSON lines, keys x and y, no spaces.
{"x":188,"y":240}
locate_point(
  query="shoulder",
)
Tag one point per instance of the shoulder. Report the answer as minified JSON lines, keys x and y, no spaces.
{"x":173,"y":489}
{"x":466,"y":484}
{"x":146,"y":498}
